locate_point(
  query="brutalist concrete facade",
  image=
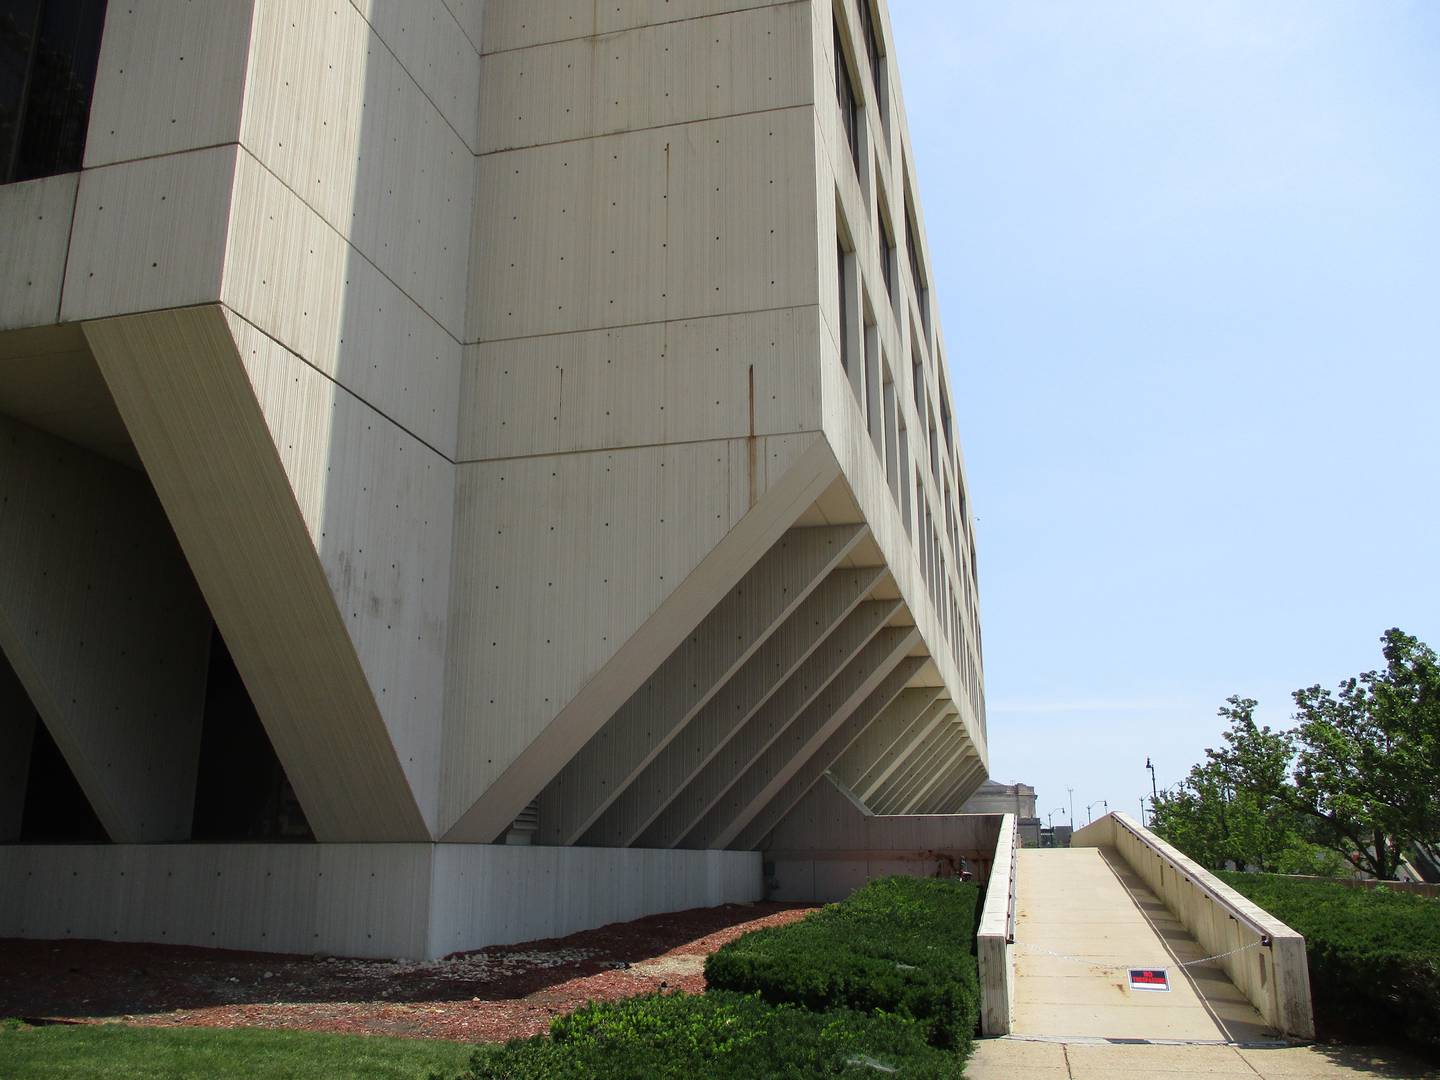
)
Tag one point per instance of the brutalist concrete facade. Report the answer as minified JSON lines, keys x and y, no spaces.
{"x":531,"y":418}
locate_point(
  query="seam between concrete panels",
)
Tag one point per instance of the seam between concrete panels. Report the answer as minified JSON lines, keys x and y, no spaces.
{"x":336,"y":382}
{"x":649,"y":127}
{"x":647,"y":26}
{"x":474,"y":45}
{"x":623,"y":447}
{"x":350,"y":244}
{"x":637,"y":325}
{"x":69,"y":243}
{"x":396,"y":57}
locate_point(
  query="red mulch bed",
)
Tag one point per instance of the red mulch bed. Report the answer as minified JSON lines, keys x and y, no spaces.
{"x":485,"y":996}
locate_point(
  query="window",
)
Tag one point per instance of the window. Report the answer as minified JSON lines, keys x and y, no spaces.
{"x":887,"y":252}
{"x":917,"y":373}
{"x":874,"y":405}
{"x":843,"y":330}
{"x":849,"y":106}
{"x":874,"y":55}
{"x":48,"y":53}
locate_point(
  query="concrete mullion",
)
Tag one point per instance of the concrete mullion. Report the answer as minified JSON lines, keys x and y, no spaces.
{"x":767,"y":772}
{"x":677,"y":764}
{"x":690,"y":804}
{"x":724,"y":640}
{"x":865,"y":715}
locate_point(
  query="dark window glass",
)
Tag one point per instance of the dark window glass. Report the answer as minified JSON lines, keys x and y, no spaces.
{"x":913,"y":250}
{"x":849,"y":108}
{"x":48,"y":53}
{"x":887,"y":253}
{"x":844,"y":308}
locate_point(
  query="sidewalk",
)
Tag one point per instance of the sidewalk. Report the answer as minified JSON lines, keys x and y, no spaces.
{"x":1018,"y":1059}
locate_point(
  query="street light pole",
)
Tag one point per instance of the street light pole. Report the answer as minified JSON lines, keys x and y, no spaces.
{"x":1142,"y":810}
{"x":1089,"y":810}
{"x":1071,"y":790}
{"x":1154,"y":791}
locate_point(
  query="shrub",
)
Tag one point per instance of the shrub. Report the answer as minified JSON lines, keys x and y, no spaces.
{"x":1374,"y":956}
{"x":716,"y":1034}
{"x":900,"y":945}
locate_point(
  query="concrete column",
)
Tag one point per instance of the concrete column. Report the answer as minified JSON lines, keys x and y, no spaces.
{"x":17,"y":732}
{"x":690,"y":678}
{"x":971,"y":784}
{"x":676,"y":766}
{"x":888,"y":729}
{"x":946,"y":799}
{"x":105,"y":629}
{"x":686,"y":806}
{"x":758,"y":783}
{"x":794,"y":789}
{"x":252,"y":506}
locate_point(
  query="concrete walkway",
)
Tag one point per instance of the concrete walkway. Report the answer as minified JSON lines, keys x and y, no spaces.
{"x":1083,"y":917}
{"x":1014,"y":1059}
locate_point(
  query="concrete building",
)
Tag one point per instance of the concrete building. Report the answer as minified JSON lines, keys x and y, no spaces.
{"x":468,"y":468}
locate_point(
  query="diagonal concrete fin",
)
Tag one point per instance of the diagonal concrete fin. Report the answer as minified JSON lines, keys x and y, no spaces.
{"x":240,"y":443}
{"x":863,"y":716}
{"x":888,"y":796}
{"x":689,"y":805}
{"x":725,"y":639}
{"x":693,"y":747}
{"x":760,"y":781}
{"x":881,"y":778}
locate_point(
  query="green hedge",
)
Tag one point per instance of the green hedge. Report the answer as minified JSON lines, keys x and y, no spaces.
{"x":900,"y":945}
{"x":713,"y":1035}
{"x":1374,"y":956}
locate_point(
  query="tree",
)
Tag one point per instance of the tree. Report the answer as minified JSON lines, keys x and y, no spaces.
{"x":1360,"y":772}
{"x":1224,"y":826}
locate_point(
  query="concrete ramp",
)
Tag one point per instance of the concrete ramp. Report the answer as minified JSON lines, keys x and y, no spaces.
{"x":1083,"y":919}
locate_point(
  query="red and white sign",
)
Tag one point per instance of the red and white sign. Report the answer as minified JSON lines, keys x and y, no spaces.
{"x":1149,"y":979}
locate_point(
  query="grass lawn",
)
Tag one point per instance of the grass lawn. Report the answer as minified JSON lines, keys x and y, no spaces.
{"x":119,"y":1052}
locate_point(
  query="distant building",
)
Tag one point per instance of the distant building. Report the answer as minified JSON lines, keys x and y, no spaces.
{"x":476,"y":466}
{"x":993,"y":797}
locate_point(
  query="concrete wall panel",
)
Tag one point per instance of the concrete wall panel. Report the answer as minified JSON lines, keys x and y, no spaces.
{"x":649,"y":226}
{"x":293,"y":276}
{"x":332,"y":113}
{"x":517,"y":25}
{"x":171,"y":78}
{"x":105,"y":628}
{"x":693,"y":379}
{"x":149,"y":234}
{"x":649,"y":76}
{"x":34,"y":237}
{"x":429,"y":42}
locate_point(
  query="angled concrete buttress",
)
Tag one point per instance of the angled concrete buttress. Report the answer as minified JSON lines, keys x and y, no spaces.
{"x":676,"y":766}
{"x":104,"y":627}
{"x":691,"y":676}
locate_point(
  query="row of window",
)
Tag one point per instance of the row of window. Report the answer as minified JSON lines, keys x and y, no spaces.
{"x":870,"y":376}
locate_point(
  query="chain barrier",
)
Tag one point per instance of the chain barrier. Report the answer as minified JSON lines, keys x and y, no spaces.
{"x":1088,"y":962}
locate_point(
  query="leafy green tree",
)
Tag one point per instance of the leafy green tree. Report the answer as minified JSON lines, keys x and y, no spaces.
{"x":1223,"y":826}
{"x":1359,"y":774}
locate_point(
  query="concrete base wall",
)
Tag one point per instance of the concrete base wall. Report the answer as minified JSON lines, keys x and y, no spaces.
{"x":412,"y":901}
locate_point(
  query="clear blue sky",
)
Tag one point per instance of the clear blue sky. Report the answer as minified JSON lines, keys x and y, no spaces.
{"x":1188,"y":263}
